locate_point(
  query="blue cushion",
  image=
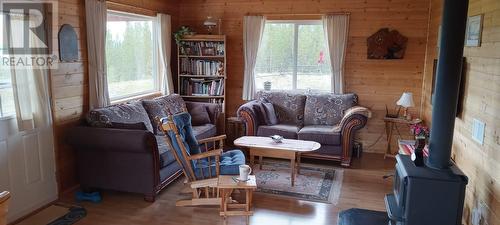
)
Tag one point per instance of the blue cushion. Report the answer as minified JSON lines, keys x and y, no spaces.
{"x":230,"y":162}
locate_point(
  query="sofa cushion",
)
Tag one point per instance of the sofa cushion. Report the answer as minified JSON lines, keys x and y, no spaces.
{"x":199,"y":115}
{"x":204,"y":131}
{"x":166,"y":156}
{"x":285,"y":130}
{"x":268,"y":113}
{"x":327,"y":108}
{"x":162,"y":107}
{"x":289,"y":105}
{"x":323,"y":134}
{"x":132,"y":112}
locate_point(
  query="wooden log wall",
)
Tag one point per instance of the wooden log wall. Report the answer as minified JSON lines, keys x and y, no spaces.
{"x":69,"y":83}
{"x":481,"y":163}
{"x":377,"y":82}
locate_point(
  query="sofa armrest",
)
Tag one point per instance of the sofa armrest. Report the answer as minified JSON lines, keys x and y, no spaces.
{"x":110,"y":139}
{"x":117,"y":159}
{"x":354,"y":119}
{"x":213,"y":109}
{"x":248,"y":115}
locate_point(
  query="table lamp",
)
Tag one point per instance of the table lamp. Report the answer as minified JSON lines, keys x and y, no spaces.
{"x":210,"y":23}
{"x":406,"y":101}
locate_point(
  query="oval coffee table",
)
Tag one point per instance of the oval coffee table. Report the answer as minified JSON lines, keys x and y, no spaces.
{"x":289,"y":149}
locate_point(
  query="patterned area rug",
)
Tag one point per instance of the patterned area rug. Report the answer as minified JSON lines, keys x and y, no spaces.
{"x":314,"y":183}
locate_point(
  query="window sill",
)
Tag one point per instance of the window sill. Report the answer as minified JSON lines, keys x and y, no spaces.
{"x":137,"y":97}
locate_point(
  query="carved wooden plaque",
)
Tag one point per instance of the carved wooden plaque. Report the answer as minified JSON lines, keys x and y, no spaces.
{"x":386,"y":44}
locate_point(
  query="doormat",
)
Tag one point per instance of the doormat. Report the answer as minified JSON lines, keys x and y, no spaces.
{"x":56,"y":215}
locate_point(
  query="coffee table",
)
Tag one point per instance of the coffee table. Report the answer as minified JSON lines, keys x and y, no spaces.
{"x":289,"y":149}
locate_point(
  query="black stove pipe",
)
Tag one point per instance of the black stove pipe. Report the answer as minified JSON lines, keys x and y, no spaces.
{"x":449,"y":69}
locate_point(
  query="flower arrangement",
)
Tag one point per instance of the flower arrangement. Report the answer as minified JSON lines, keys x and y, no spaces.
{"x":420,"y":131}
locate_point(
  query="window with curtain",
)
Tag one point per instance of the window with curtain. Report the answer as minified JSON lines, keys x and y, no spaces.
{"x":7,"y":105}
{"x":131,"y":55}
{"x":293,"y":56}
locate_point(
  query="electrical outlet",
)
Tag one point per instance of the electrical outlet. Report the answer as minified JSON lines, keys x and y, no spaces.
{"x":478,"y":131}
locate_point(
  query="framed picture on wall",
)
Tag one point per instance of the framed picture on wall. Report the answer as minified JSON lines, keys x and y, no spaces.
{"x":461,"y":93}
{"x":474,"y":30}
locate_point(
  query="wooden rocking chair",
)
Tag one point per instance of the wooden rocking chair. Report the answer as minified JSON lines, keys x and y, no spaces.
{"x":202,"y":169}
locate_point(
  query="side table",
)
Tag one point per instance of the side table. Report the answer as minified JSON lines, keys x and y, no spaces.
{"x":235,"y":128}
{"x":390,"y":125}
{"x":226,"y":186}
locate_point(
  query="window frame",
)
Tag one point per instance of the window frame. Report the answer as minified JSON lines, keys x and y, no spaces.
{"x":296,"y":24}
{"x":156,"y":59}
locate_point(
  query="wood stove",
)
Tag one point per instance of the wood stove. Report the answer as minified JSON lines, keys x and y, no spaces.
{"x":426,"y":196}
{"x":433,"y":194}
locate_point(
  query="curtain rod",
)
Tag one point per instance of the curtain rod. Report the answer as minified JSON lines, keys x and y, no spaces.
{"x":298,"y":14}
{"x":119,"y":4}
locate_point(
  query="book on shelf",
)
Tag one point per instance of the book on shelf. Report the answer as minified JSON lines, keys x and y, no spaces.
{"x":201,"y":67}
{"x":202,"y":48}
{"x":202,"y":87}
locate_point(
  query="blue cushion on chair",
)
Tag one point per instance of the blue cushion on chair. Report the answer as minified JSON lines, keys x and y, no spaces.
{"x":230,"y":162}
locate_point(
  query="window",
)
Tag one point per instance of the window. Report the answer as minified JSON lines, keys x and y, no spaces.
{"x":7,"y":106}
{"x":293,"y":55}
{"x":131,"y":55}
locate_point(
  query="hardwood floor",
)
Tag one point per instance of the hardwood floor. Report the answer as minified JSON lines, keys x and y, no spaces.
{"x":363,"y":187}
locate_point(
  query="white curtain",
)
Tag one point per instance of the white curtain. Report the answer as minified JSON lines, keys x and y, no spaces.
{"x":95,"y":15}
{"x":253,"y":28}
{"x":336,"y":29}
{"x":164,"y":30}
{"x":29,"y":84}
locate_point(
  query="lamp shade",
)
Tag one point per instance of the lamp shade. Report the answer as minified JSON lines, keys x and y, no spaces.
{"x":210,"y":22}
{"x":406,"y":100}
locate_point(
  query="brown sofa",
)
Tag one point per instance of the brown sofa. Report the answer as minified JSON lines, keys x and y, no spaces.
{"x":330,"y":119}
{"x":120,"y":147}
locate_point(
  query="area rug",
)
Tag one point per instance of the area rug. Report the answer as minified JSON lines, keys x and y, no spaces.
{"x":314,"y":183}
{"x":56,"y":215}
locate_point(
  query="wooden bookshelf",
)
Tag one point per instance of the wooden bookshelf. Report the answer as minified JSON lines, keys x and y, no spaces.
{"x":200,"y":59}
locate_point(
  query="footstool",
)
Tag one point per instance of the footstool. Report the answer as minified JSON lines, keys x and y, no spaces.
{"x":356,"y":216}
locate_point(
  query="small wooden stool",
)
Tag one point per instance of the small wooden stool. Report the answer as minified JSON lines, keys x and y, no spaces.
{"x":226,"y":186}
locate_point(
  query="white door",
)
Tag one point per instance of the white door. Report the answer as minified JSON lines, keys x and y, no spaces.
{"x":27,"y":164}
{"x":27,"y":167}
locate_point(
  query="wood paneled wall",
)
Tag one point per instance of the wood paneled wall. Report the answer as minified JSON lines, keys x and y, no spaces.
{"x":377,"y":82}
{"x":481,"y":163}
{"x":69,"y":83}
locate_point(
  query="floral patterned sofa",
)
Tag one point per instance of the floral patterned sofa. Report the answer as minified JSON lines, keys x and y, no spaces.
{"x":330,"y":119}
{"x":121,"y":148}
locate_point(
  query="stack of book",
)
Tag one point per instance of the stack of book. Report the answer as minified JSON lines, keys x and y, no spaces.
{"x":196,"y":48}
{"x":201,"y":67}
{"x":202,"y":87}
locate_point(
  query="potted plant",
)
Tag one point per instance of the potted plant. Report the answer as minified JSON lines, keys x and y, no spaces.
{"x":420,"y":131}
{"x":178,"y":35}
{"x":421,"y":135}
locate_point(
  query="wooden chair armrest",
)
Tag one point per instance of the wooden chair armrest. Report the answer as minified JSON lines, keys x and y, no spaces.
{"x":4,"y":196}
{"x":217,"y":152}
{"x":211,"y":139}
